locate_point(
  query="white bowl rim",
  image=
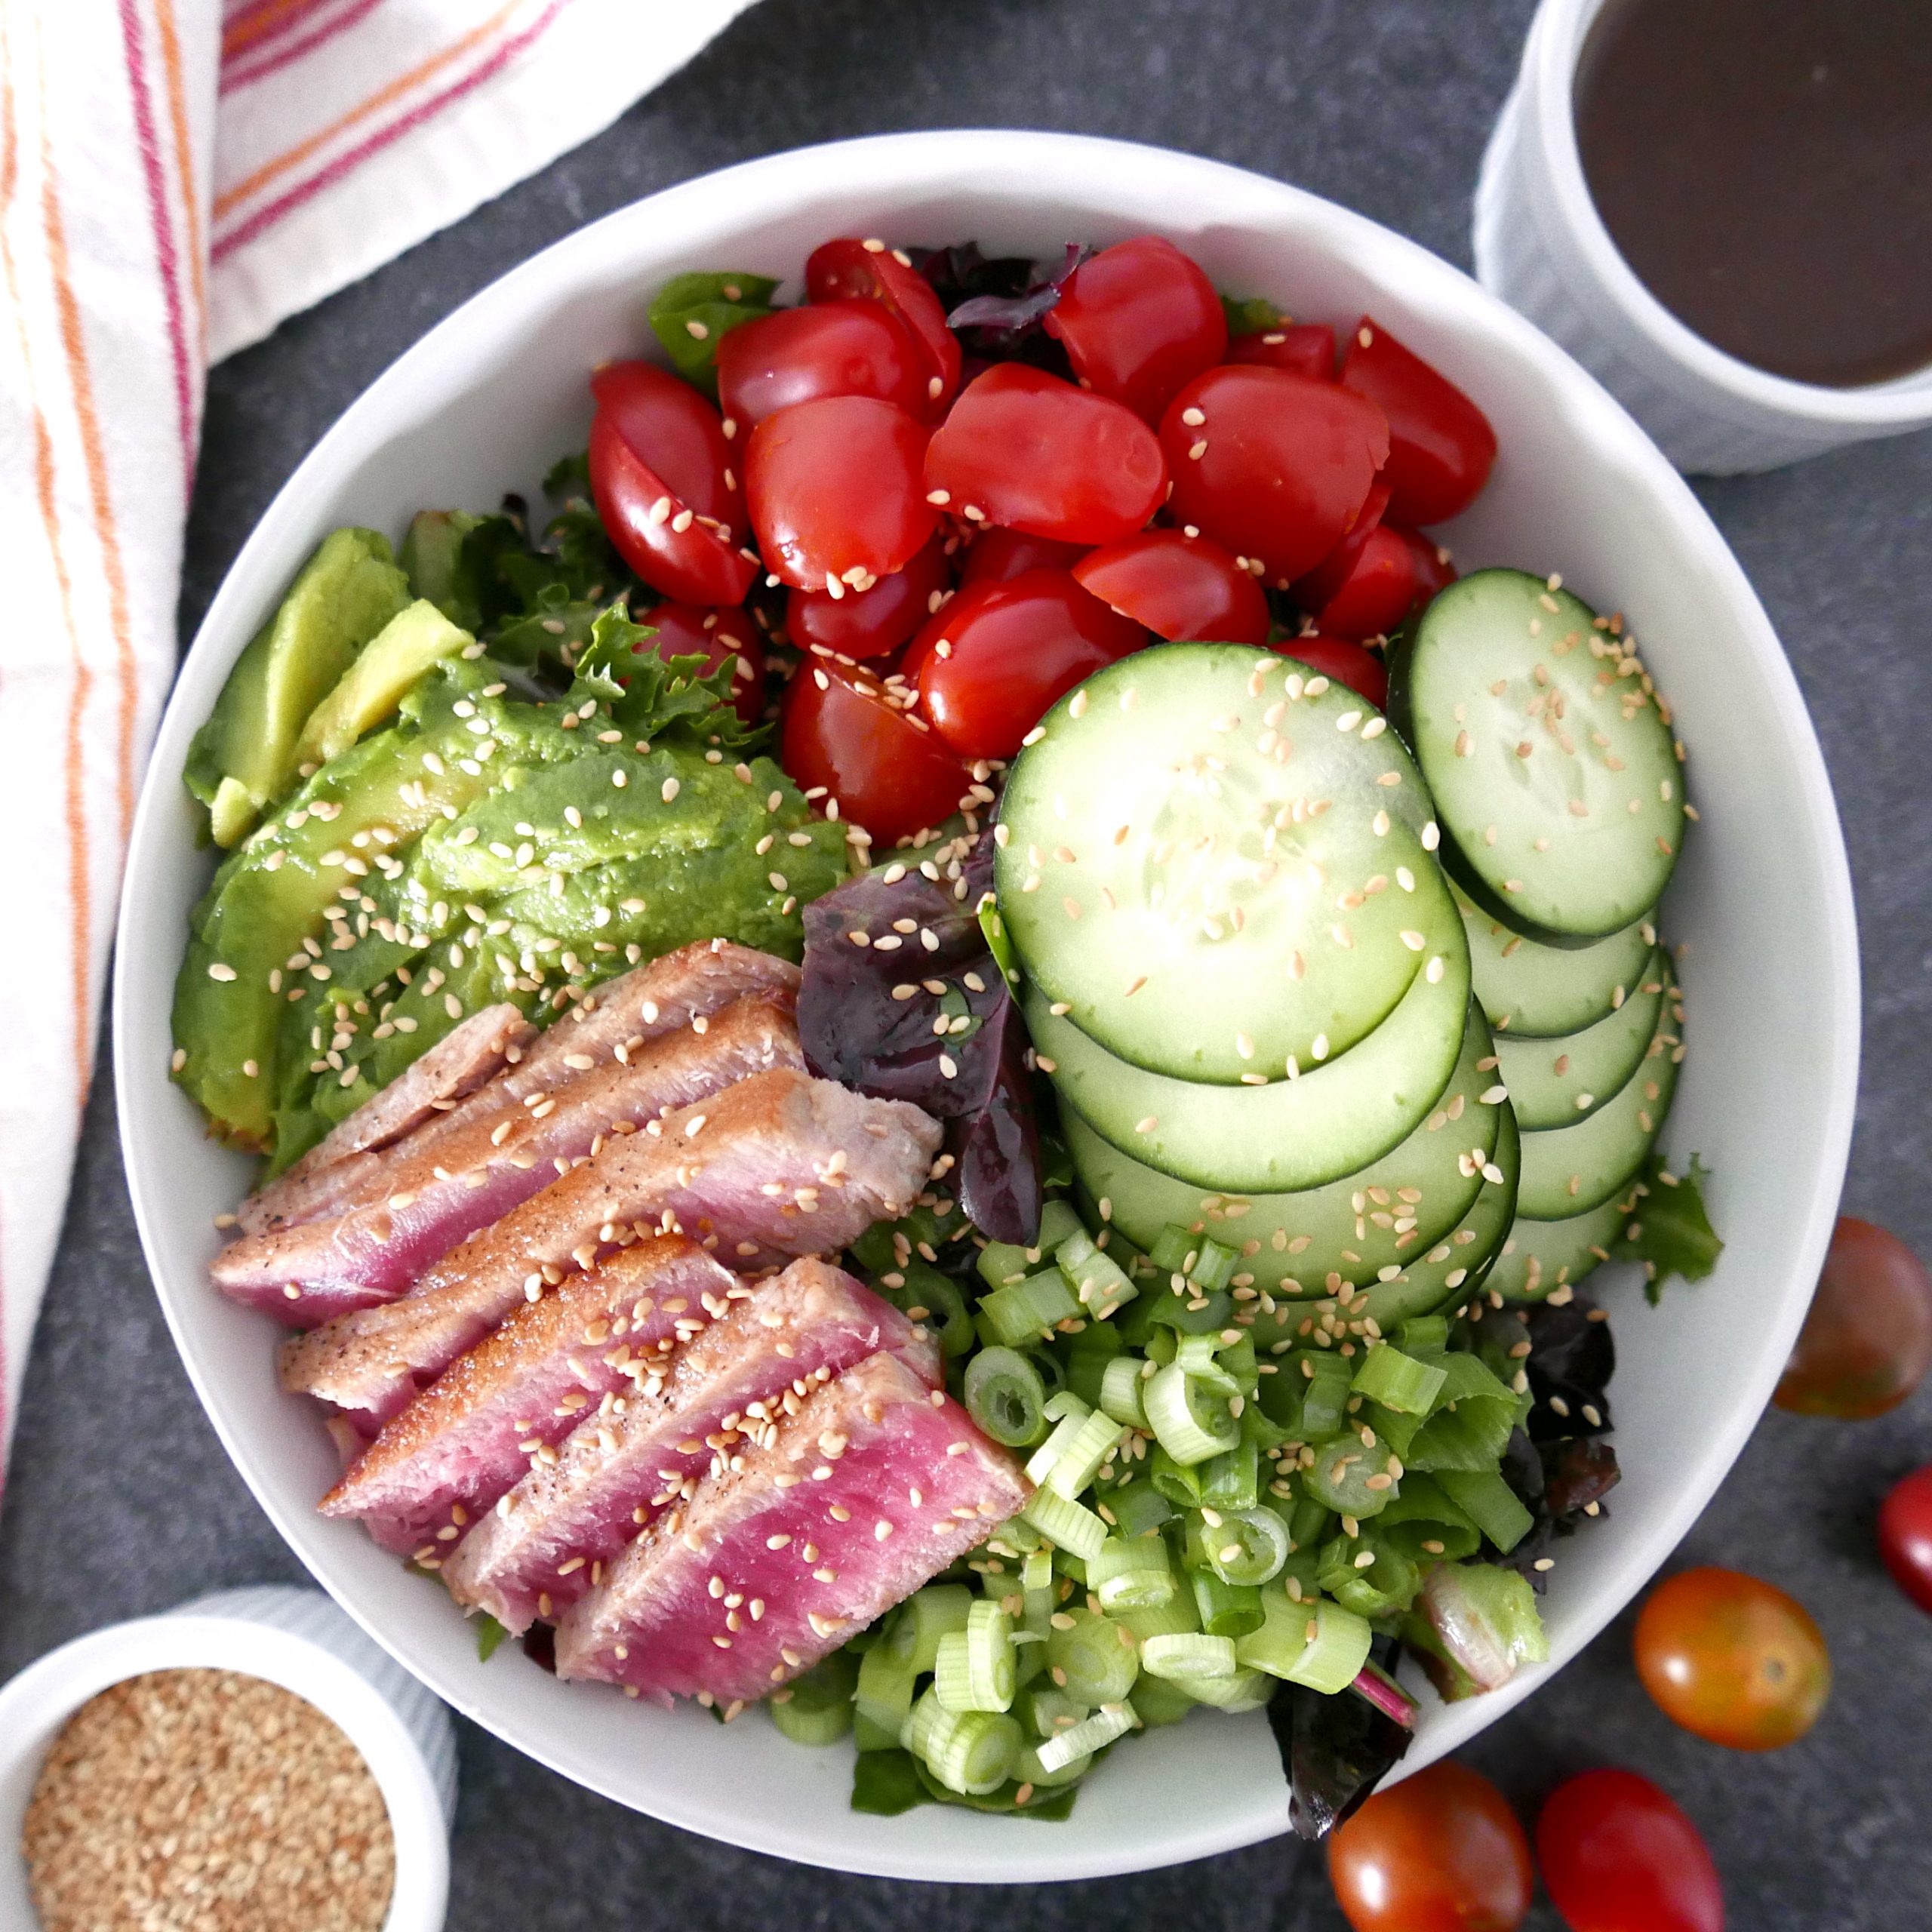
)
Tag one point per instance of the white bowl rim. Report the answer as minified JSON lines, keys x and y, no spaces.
{"x":37,"y":1703}
{"x":1550,"y":58}
{"x":908,"y":161}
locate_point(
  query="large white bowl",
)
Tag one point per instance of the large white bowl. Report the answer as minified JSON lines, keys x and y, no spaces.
{"x":487,"y":399}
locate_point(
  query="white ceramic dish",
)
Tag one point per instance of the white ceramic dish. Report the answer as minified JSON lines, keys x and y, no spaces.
{"x":296,"y":1638}
{"x":1541,"y":246}
{"x":486,"y":400}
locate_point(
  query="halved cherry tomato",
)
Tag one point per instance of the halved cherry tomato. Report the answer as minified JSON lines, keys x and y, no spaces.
{"x":1440,"y":446}
{"x":1436,"y":569}
{"x":992,"y":661}
{"x":1139,"y":319}
{"x":1867,"y":1342}
{"x":1271,"y":465}
{"x":676,"y":431}
{"x":1732,"y":1659}
{"x":1618,"y":1856}
{"x":1179,"y":586}
{"x":1383,"y":586}
{"x":834,"y":487}
{"x":1023,"y":448}
{"x":869,"y":623}
{"x":997,"y":555}
{"x":717,"y":635}
{"x":824,"y":348}
{"x":1303,"y":348}
{"x":1321,"y":584}
{"x":1440,"y":1852}
{"x":869,"y":271}
{"x":886,"y":767}
{"x":1347,"y":662}
{"x":656,"y":532}
{"x":1904,"y":1535}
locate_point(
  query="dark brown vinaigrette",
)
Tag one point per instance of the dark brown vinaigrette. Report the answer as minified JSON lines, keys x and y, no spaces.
{"x":1765,"y":167}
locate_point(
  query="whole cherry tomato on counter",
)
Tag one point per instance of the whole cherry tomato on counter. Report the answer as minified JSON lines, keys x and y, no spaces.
{"x":1304,"y":349}
{"x":824,"y":348}
{"x":996,"y":554}
{"x":1179,"y":586}
{"x":662,"y":475}
{"x":869,"y":271}
{"x":1346,"y":662}
{"x":888,"y":770}
{"x":1271,"y":465}
{"x":992,"y":661}
{"x":834,"y":488}
{"x":1732,"y":1659}
{"x":719,"y":635}
{"x":1440,"y":1852}
{"x":1139,"y":319}
{"x":871,"y":622}
{"x":1867,"y":1342}
{"x":1618,"y":1856}
{"x":1904,"y":1535}
{"x":1440,"y":446}
{"x":1023,"y":448}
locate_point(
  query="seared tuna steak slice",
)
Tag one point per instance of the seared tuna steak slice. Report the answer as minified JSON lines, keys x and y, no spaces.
{"x":502,"y":1151}
{"x":727,"y":1390}
{"x":875,"y":1485}
{"x":494,"y":1417}
{"x":610,"y":1022}
{"x":780,"y":1165}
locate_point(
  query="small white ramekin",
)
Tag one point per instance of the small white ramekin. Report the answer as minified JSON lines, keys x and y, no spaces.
{"x":1541,"y":245}
{"x":295,"y":1638}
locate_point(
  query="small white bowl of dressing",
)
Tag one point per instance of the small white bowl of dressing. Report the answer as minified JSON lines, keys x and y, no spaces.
{"x":294,"y":1639}
{"x":1543,"y":246}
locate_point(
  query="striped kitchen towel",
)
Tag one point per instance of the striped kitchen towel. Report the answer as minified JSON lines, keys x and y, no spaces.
{"x":176,"y":177}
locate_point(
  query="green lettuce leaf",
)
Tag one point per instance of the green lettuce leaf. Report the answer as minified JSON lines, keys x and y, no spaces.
{"x":716,"y":304}
{"x":1669,"y":1231}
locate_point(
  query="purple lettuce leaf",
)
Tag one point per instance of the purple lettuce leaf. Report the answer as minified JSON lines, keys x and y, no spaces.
{"x":996,"y":305}
{"x":1572,"y":1358}
{"x":1334,"y":1752}
{"x":1558,"y":1482}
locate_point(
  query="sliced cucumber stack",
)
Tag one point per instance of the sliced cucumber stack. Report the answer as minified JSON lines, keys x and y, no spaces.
{"x":1555,"y":1083}
{"x":1548,"y":754}
{"x":1531,"y":991}
{"x":1539,"y":1257}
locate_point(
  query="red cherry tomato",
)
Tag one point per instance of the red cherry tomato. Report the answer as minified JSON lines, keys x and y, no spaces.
{"x":834,"y":487}
{"x":1436,"y":570}
{"x":1867,"y":1342}
{"x":717,"y":635}
{"x":1390,"y":573}
{"x":1732,"y":1659}
{"x":1346,"y":662}
{"x":1011,"y":650}
{"x":1179,"y":586}
{"x":1440,"y":1852}
{"x":870,"y":272}
{"x":1904,"y":1535}
{"x":1271,"y":465}
{"x":1618,"y":1856}
{"x":825,"y":348}
{"x":1303,"y":348}
{"x":1026,"y":450}
{"x":1314,"y":589}
{"x":676,"y":431}
{"x":1139,"y":319}
{"x":997,"y":555}
{"x":1440,"y":446}
{"x":655,"y":531}
{"x":887,"y":768}
{"x":869,"y":623}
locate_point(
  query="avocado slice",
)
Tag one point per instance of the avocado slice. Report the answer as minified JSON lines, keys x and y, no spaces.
{"x":416,"y":637}
{"x":245,"y":758}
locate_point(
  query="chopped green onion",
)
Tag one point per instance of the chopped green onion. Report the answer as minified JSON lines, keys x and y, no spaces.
{"x":1247,"y":1546}
{"x":1178,"y":1482}
{"x":1078,"y":1463}
{"x":1066,"y":1421}
{"x":1398,"y":1381}
{"x":1098,"y":1282}
{"x":926,"y":1616}
{"x":1064,"y":1406}
{"x":884,"y":1697}
{"x":1158,"y":1701}
{"x":1005,"y":1397}
{"x":1028,"y":1309}
{"x":1189,"y":1422}
{"x":816,"y":1708}
{"x":1232,"y":1480}
{"x":1193,"y":1655}
{"x":1131,"y":1576}
{"x":1179,"y":1312}
{"x":1225,"y":1610}
{"x":1119,"y":1390}
{"x":1342,"y":1472}
{"x":1308,"y":1523}
{"x":1422,"y":1333}
{"x":1086,"y":1355}
{"x":973,"y":1751}
{"x":1046,"y":1710}
{"x":1319,"y":1644}
{"x":975,"y":1666}
{"x":1036,"y":1573}
{"x":1385,"y":1583}
{"x":1030,"y":1770}
{"x":1086,"y":1736}
{"x":1199,"y":1355}
{"x":1176,"y":1617}
{"x":1067,"y":1525}
{"x":1246,"y":1690}
{"x":1490,"y":1503}
{"x":945,"y":1310}
{"x":1092,"y":1658}
{"x":1001,"y":1264}
{"x":1059,"y":1221}
{"x":1139,"y":1507}
{"x":1175,"y":1249}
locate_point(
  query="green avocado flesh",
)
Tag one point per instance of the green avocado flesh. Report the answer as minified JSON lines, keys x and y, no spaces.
{"x":484,"y":847}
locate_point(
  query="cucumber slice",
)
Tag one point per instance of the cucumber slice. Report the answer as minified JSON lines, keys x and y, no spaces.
{"x":1531,"y":991}
{"x":1291,"y":1134}
{"x":1541,"y":1256}
{"x":1450,"y":1270}
{"x":1568,"y":1170}
{"x":1555,"y":1083}
{"x":1548,"y":753}
{"x":1200,"y":856}
{"x":1322,"y":1239}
